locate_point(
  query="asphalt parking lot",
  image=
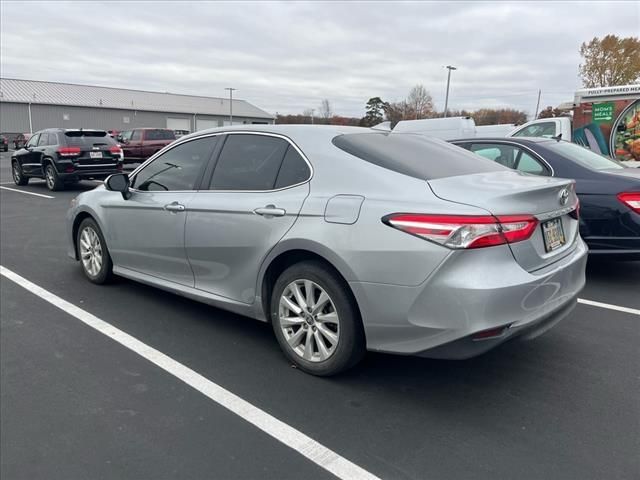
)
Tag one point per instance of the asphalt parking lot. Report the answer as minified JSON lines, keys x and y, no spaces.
{"x":75,"y":404}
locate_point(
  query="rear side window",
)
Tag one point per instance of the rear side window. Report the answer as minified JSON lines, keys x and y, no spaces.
{"x":249,"y":162}
{"x":88,"y":138}
{"x":159,"y":134}
{"x":510,"y":156}
{"x":294,"y":169}
{"x":414,"y":155}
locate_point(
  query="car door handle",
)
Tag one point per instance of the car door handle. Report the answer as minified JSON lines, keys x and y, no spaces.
{"x":270,"y":211}
{"x":175,"y":207}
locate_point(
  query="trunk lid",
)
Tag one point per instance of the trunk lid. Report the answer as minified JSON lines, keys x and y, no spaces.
{"x":514,"y":193}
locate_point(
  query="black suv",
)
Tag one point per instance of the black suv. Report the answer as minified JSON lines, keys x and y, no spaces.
{"x":62,"y":156}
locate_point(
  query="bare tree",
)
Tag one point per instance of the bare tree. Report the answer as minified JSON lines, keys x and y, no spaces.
{"x":325,"y":110}
{"x":610,"y":61}
{"x":420,"y":102}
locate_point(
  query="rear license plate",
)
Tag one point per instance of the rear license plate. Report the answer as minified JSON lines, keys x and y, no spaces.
{"x":553,"y":234}
{"x":95,"y":154}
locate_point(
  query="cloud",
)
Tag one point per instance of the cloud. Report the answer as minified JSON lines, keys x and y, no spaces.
{"x":286,"y":57}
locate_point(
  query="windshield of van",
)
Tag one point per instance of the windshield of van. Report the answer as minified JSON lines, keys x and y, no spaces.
{"x":584,"y":156}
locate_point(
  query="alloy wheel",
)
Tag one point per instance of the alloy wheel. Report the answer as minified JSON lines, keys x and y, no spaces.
{"x":91,"y":251}
{"x":309,"y":320}
{"x":16,"y":173}
{"x":50,"y":177}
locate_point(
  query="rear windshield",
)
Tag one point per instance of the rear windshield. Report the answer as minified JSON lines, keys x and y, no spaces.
{"x":584,"y":156}
{"x":82,"y":138}
{"x":159,"y":135}
{"x":414,"y":155}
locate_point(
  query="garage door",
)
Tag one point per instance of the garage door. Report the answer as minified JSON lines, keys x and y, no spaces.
{"x":204,"y":124}
{"x":183,"y":124}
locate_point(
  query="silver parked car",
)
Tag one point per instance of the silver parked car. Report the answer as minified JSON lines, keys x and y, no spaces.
{"x":345,"y":239}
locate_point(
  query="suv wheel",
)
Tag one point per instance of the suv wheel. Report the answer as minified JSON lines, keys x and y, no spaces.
{"x":93,"y":253}
{"x":315,"y":320}
{"x":53,"y":180}
{"x":18,"y":177}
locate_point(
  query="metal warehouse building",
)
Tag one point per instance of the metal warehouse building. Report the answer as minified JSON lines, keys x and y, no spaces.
{"x":29,"y":106}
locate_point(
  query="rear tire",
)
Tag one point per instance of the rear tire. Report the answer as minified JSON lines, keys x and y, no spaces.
{"x":93,"y":252}
{"x":51,"y":177}
{"x":18,"y":177}
{"x":322,"y":332}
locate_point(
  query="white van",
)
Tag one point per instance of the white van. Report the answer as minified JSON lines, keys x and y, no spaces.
{"x":444,"y":128}
{"x":498,"y":130}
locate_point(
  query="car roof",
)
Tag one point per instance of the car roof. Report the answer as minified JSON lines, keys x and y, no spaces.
{"x":523,"y":140}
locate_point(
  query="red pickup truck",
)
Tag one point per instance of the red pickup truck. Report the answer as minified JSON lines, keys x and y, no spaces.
{"x":139,"y":144}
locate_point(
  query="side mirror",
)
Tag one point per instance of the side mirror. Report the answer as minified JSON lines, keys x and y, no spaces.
{"x":118,"y":182}
{"x":120,"y":139}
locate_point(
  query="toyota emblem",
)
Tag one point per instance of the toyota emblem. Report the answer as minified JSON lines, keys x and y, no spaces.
{"x":564,"y":196}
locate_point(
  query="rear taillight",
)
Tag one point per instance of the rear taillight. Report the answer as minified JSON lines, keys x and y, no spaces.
{"x":465,"y":231}
{"x":115,"y":150}
{"x":631,"y":200}
{"x":69,"y":151}
{"x":575,"y":213}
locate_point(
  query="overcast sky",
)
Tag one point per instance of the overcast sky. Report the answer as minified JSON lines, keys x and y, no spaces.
{"x":287,"y":57}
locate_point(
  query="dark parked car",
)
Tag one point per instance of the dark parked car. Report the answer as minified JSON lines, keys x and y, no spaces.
{"x":4,"y":143}
{"x":21,"y":140}
{"x":609,"y":192}
{"x":141,"y":143}
{"x":62,"y":156}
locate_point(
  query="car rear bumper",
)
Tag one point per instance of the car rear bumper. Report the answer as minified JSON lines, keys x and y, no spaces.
{"x":98,"y":174}
{"x":470,"y":292}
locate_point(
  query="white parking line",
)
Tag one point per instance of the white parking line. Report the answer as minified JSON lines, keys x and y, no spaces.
{"x":608,"y":306}
{"x":289,"y":436}
{"x":28,"y":193}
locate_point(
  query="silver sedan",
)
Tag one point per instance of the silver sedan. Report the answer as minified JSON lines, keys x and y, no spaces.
{"x":344,"y":239}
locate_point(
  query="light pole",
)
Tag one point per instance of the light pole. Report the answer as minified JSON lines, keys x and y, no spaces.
{"x":231,"y":89}
{"x":312,"y":110}
{"x":446,"y":98}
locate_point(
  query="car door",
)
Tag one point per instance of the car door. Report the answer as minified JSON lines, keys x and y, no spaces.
{"x":30,"y":156}
{"x":145,"y":232}
{"x":256,"y":191}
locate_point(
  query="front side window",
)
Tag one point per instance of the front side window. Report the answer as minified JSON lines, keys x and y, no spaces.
{"x":126,"y":136}
{"x":136,"y":135}
{"x":176,"y":169}
{"x":43,"y":140}
{"x":249,"y":162}
{"x":544,"y":129}
{"x":505,"y":155}
{"x":33,"y":141}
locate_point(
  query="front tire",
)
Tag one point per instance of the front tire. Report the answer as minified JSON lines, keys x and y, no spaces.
{"x":51,"y":177}
{"x":93,"y":253}
{"x":316,"y":320}
{"x":18,"y":177}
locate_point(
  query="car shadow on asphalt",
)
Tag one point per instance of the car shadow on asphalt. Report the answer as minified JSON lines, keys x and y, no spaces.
{"x":209,"y":329}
